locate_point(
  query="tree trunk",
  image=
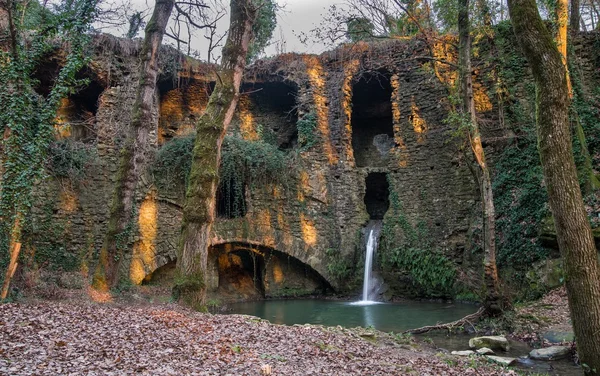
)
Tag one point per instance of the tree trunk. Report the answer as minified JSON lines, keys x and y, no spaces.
{"x":14,"y":247}
{"x":133,"y":152}
{"x":574,"y":235}
{"x":199,"y":206}
{"x":492,"y":300}
{"x":575,"y":16}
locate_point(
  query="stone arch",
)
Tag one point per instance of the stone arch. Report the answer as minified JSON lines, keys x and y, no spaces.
{"x":250,"y":270}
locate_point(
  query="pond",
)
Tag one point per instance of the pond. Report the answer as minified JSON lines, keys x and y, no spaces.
{"x":389,"y":317}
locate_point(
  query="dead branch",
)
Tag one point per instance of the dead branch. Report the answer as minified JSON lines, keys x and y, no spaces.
{"x":449,"y":326}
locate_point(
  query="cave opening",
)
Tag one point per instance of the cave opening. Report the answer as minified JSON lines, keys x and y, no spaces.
{"x":372,"y":124}
{"x":76,"y":116}
{"x":377,"y":195}
{"x":181,"y":103}
{"x":273,"y":106}
{"x":231,"y":199}
{"x":241,"y":273}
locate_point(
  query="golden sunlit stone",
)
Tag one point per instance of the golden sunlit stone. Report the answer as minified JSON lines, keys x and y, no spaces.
{"x":68,"y":199}
{"x":401,"y":150}
{"x":247,"y":127}
{"x":350,"y":70}
{"x":144,"y":250}
{"x":309,"y":231}
{"x":316,"y":76}
{"x":419,"y":124}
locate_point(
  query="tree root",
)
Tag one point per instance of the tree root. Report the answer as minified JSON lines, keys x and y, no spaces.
{"x":449,"y":326}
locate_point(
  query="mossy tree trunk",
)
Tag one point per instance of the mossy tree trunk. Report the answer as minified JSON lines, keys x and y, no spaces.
{"x":199,"y":206}
{"x":575,"y":18}
{"x":493,"y":297}
{"x":133,"y":151}
{"x":574,"y":235}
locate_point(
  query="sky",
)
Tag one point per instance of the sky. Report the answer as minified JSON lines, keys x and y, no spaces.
{"x":301,"y":16}
{"x":296,"y":17}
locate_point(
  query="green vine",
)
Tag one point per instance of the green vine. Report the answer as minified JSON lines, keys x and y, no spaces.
{"x":406,"y":247}
{"x":243,"y":163}
{"x":27,"y":108}
{"x":307,"y":126}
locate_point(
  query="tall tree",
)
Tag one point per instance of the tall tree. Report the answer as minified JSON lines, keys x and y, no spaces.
{"x":574,"y":235}
{"x":492,"y":299}
{"x":199,"y":206}
{"x":575,"y":18}
{"x":133,"y":151}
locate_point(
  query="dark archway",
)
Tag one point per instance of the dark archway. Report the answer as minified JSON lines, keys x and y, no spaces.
{"x":372,"y":124}
{"x":377,"y":195}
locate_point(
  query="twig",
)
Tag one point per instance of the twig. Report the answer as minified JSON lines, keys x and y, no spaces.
{"x":466,"y":319}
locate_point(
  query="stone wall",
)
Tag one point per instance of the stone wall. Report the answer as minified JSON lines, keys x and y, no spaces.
{"x":380,"y":112}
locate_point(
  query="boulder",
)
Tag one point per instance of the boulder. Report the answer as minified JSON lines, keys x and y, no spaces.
{"x":485,"y":351}
{"x":502,"y":360}
{"x":550,"y":353}
{"x":463,"y":353}
{"x":491,"y":342}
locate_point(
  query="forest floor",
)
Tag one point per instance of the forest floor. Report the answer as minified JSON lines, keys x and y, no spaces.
{"x":66,"y":338}
{"x":140,"y":332}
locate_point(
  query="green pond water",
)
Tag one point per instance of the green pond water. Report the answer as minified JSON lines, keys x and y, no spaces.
{"x":392,"y":317}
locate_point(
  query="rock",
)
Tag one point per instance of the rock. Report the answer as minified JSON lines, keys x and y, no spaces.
{"x":505,"y":361}
{"x":553,"y":336}
{"x":485,"y":351}
{"x":463,"y":353}
{"x":550,"y":353}
{"x":491,"y":342}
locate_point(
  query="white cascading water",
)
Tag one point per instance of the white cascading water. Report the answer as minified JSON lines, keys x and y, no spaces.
{"x":368,"y":266}
{"x":371,"y":282}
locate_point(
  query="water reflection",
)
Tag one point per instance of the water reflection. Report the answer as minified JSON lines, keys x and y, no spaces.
{"x":387,"y":317}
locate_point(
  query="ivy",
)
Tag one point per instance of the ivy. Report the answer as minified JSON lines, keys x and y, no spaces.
{"x":406,"y":247}
{"x":70,"y":159}
{"x":307,"y":127}
{"x":243,"y":163}
{"x":28,"y":110}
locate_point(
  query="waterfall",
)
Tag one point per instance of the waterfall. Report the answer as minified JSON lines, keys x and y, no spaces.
{"x":371,"y":243}
{"x":370,"y":282}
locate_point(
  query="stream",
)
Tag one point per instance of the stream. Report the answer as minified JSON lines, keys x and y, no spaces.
{"x":392,"y":317}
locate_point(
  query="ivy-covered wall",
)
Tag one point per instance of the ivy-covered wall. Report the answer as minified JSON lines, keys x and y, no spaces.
{"x":303,"y":165}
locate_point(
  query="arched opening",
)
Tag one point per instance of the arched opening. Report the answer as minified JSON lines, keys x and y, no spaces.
{"x":372,"y":125}
{"x":377,"y":195}
{"x":272,"y":106}
{"x":240,"y":274}
{"x":243,"y":271}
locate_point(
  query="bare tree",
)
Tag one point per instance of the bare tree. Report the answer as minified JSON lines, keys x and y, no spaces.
{"x":199,"y":206}
{"x":575,"y":239}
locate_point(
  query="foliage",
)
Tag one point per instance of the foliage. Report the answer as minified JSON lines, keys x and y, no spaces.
{"x":262,"y":28}
{"x":359,"y":29}
{"x":407,"y":247}
{"x":521,"y":203}
{"x":28,"y":110}
{"x":69,"y":159}
{"x":519,"y":196}
{"x":338,"y":267}
{"x":243,"y":163}
{"x":45,"y":236}
{"x":251,"y":163}
{"x":307,"y":127}
{"x":173,"y":161}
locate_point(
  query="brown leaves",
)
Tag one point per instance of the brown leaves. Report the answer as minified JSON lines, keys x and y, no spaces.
{"x":75,"y":339}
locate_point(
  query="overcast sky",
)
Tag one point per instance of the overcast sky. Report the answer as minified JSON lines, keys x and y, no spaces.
{"x":301,"y":16}
{"x":296,"y":17}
